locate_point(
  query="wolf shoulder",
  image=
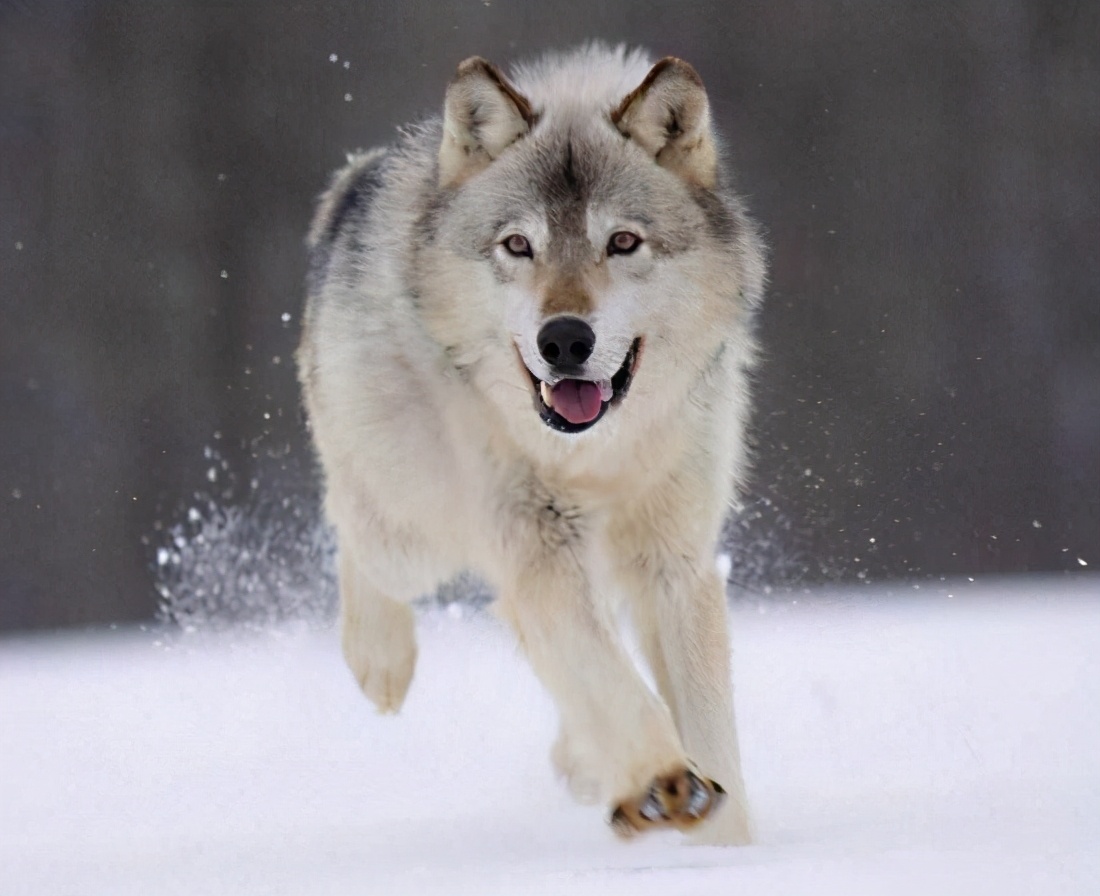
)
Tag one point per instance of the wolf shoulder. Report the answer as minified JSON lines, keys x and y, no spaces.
{"x":348,"y":198}
{"x":368,"y":209}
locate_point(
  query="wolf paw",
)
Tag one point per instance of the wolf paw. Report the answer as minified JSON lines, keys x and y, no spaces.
{"x":580,"y":778}
{"x":382,"y":657}
{"x":680,"y":799}
{"x":386,"y":686}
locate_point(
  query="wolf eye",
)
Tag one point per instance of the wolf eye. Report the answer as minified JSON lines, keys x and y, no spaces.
{"x":623,"y":242}
{"x":518,"y":245}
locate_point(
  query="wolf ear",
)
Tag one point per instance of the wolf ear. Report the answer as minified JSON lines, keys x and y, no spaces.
{"x":669,"y":117}
{"x":482,"y":115}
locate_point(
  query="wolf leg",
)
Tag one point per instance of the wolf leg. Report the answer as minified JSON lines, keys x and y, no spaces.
{"x":576,"y":764}
{"x":378,"y":635}
{"x":681,"y":617}
{"x":695,"y":640}
{"x":577,"y":654}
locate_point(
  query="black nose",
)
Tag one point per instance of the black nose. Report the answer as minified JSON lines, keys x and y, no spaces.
{"x":566,"y":342}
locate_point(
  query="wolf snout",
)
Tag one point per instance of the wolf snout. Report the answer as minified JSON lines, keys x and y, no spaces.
{"x":565,"y":343}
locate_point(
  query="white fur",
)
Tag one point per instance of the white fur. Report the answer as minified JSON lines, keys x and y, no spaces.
{"x":580,"y":84}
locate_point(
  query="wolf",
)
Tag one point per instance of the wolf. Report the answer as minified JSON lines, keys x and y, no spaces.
{"x":526,"y":352}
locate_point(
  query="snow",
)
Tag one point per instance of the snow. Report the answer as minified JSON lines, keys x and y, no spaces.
{"x":893,"y":744}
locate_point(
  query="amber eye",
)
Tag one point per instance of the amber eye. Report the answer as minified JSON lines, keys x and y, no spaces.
{"x":518,"y":245}
{"x":623,"y":243}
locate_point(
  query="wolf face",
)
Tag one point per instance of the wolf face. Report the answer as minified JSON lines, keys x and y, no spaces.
{"x":585,"y":240}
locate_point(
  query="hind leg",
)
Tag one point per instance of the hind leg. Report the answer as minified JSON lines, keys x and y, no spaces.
{"x":378,"y":636}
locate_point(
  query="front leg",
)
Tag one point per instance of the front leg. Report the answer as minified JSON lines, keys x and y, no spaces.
{"x":678,"y":602}
{"x":575,"y":650}
{"x":378,"y":636}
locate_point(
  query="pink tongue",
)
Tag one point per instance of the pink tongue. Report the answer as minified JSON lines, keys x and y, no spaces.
{"x":578,"y":401}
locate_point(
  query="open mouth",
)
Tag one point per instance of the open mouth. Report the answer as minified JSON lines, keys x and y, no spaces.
{"x":573,"y":405}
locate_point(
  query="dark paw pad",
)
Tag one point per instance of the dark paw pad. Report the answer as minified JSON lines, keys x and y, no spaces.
{"x":678,"y":800}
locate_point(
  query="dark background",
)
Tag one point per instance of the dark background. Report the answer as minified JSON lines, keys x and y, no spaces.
{"x":928,"y":173}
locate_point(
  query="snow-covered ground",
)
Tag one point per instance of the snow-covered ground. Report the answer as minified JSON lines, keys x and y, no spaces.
{"x":894,"y":744}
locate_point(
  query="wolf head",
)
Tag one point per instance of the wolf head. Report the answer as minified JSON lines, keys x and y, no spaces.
{"x":581,"y":244}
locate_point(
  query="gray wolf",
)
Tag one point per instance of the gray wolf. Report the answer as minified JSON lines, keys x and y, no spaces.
{"x":526,"y":352}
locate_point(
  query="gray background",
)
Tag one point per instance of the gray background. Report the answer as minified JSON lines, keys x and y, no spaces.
{"x":928,"y":174}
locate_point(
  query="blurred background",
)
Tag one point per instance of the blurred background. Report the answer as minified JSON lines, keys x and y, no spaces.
{"x":928,"y":175}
